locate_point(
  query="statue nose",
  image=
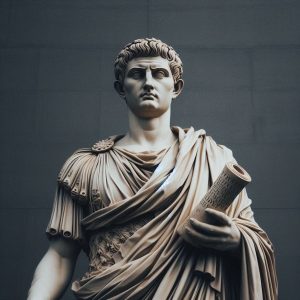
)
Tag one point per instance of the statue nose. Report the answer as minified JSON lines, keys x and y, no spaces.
{"x":148,"y":81}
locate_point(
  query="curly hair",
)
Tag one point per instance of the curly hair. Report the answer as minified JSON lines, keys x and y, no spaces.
{"x":144,"y":48}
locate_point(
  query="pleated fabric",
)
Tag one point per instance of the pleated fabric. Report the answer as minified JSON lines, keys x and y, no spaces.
{"x":118,"y":186}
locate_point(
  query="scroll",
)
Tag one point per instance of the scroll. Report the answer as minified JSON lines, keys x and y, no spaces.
{"x":221,"y":194}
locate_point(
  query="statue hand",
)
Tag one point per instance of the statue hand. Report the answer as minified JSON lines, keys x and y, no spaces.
{"x":223,"y":237}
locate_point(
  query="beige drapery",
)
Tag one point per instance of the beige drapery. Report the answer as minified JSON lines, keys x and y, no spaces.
{"x":154,"y":263}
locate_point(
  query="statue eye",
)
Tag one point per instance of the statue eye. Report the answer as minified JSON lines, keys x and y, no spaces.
{"x":136,"y":74}
{"x":160,"y":74}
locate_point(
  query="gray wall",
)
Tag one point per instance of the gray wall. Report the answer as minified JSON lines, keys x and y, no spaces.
{"x":242,"y":73}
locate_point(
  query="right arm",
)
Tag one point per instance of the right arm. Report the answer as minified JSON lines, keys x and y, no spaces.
{"x":55,"y":270}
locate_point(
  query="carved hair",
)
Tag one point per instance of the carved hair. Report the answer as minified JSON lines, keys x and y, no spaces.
{"x":145,"y":48}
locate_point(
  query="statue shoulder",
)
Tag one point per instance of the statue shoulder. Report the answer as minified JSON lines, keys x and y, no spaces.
{"x":218,"y":150}
{"x":78,"y":171}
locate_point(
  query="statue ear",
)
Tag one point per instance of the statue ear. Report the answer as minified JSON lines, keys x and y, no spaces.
{"x":178,"y":87}
{"x":119,"y":88}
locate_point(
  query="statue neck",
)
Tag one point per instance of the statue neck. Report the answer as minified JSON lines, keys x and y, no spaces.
{"x":148,"y":134}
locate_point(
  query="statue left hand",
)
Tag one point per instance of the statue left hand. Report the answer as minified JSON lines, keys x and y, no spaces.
{"x":223,"y":237}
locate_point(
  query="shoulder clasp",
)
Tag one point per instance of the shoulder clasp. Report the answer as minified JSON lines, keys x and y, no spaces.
{"x":103,"y":145}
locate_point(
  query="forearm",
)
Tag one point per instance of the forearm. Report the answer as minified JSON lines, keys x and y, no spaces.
{"x":52,"y":276}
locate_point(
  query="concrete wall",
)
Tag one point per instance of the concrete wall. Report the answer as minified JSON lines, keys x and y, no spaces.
{"x":242,"y":73}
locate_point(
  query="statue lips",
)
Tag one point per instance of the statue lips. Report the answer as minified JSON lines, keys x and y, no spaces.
{"x":148,"y":96}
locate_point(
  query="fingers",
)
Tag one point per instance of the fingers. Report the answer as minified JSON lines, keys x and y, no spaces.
{"x":199,"y":239}
{"x":219,"y":216}
{"x":208,"y":229}
{"x":223,"y":236}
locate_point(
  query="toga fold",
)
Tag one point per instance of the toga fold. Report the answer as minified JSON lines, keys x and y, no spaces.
{"x":125,"y":207}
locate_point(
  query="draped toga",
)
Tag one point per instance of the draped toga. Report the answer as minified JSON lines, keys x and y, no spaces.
{"x":125,"y":207}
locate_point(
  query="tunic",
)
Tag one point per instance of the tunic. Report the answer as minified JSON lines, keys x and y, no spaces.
{"x":125,"y":207}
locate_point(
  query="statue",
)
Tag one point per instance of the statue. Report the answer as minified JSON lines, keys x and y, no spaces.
{"x":123,"y":199}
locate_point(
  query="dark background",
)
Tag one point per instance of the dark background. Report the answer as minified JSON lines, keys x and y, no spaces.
{"x":242,"y":73}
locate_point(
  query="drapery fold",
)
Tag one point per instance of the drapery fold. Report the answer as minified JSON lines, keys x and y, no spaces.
{"x":66,"y":217}
{"x":155,"y":263}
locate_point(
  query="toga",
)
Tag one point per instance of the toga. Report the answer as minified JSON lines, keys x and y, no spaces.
{"x":124,"y":208}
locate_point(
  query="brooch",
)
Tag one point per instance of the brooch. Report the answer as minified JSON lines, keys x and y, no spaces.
{"x":103,"y":145}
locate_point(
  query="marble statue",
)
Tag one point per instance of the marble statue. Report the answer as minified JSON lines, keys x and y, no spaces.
{"x":123,"y":199}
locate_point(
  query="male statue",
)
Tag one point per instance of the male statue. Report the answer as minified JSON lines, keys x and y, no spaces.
{"x":123,"y":199}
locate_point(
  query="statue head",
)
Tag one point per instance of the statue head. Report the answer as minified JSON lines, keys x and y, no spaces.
{"x":144,"y":48}
{"x":148,"y":77}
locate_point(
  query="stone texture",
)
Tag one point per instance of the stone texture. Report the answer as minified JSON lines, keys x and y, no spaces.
{"x":113,"y":118}
{"x":276,"y":69}
{"x":220,"y":69}
{"x":178,"y":4}
{"x":274,"y":172}
{"x":232,"y":26}
{"x":39,"y":25}
{"x":241,"y":66}
{"x":4,"y":21}
{"x":18,"y":116}
{"x":22,"y":258}
{"x":277,"y":116}
{"x":212,"y":111}
{"x":18,"y":69}
{"x":70,"y":69}
{"x":287,"y":246}
{"x":65,"y":116}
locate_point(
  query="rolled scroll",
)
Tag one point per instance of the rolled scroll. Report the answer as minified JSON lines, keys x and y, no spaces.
{"x":221,"y":194}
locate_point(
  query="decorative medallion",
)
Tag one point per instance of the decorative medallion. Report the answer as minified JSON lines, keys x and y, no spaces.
{"x":103,"y":145}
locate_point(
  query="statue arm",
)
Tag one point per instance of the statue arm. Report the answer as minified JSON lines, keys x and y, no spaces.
{"x":55,"y":270}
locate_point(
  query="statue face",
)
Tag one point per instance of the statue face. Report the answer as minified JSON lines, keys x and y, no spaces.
{"x":148,"y":86}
